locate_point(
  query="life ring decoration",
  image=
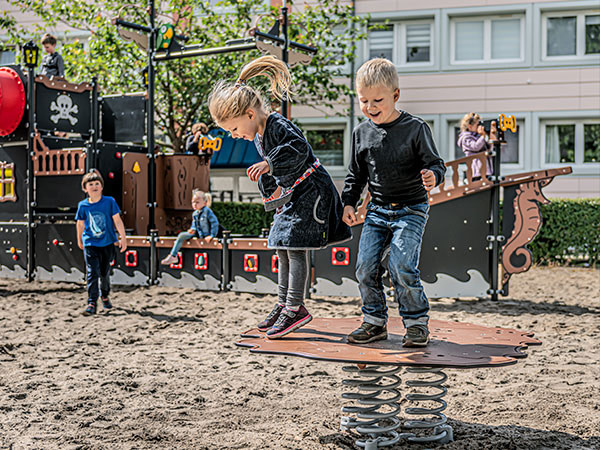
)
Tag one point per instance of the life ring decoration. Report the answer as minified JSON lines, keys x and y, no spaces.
{"x":12,"y":100}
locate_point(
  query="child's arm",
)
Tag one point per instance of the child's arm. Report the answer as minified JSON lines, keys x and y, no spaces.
{"x":214,"y":226}
{"x":193,"y":229}
{"x":471,"y":144}
{"x":121,"y":229}
{"x":80,"y":228}
{"x":60,"y":65}
{"x":256,"y":170}
{"x":353,"y":185}
{"x":434,"y":169}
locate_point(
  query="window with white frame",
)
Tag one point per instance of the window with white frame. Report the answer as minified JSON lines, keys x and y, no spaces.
{"x":405,"y":43}
{"x":572,"y":141}
{"x":7,"y":56}
{"x":487,"y":39}
{"x":509,"y":152}
{"x":571,"y":34}
{"x":327,"y":143}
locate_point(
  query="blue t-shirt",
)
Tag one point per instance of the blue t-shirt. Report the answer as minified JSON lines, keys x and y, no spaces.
{"x":99,"y":226}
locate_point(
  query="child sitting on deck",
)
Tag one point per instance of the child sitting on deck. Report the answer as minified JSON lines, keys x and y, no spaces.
{"x":205,"y":224}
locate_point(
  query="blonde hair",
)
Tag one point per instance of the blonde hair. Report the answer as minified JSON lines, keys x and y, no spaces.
{"x":378,"y":72}
{"x":231,"y":100}
{"x":469,"y":119}
{"x":203,"y":195}
{"x":201,"y":127}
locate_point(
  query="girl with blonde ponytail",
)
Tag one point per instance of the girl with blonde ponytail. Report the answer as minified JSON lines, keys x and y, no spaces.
{"x":291,"y":180}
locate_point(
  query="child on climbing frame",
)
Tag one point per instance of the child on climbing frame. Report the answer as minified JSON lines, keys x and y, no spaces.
{"x":205,"y":224}
{"x":52,"y":63}
{"x":393,"y":151}
{"x":97,"y":217}
{"x":292,"y":182}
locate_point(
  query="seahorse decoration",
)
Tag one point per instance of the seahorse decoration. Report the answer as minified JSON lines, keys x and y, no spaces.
{"x":528,"y":221}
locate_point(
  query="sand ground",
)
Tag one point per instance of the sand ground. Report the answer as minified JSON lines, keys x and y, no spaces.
{"x":162,"y":371}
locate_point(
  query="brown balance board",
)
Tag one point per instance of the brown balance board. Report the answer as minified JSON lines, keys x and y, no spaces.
{"x":453,"y":344}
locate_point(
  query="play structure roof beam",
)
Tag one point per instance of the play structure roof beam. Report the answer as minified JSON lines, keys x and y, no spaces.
{"x":188,"y":52}
{"x":144,"y":28}
{"x":292,"y":44}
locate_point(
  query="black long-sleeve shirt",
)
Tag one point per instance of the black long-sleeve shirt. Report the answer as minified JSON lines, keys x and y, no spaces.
{"x":53,"y":65}
{"x":390,"y":158}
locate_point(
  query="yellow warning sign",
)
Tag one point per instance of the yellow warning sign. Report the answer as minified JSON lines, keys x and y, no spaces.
{"x":136,"y":167}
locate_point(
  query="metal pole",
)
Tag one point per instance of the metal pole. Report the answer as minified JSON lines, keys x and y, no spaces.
{"x":495,"y":253}
{"x":30,"y":176}
{"x":284,"y":29}
{"x":150,"y":142}
{"x":93,"y":156}
{"x":226,"y":275}
{"x":352,"y":70}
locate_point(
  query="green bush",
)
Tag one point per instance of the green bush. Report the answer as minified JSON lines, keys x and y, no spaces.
{"x":242,"y":218}
{"x":570,"y":232}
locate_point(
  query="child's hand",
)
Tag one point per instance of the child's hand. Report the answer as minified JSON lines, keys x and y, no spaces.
{"x":191,"y":231}
{"x":256,"y":170}
{"x":80,"y":245}
{"x":428,"y":178}
{"x":123,"y":243}
{"x":207,"y":239}
{"x":349,"y":216}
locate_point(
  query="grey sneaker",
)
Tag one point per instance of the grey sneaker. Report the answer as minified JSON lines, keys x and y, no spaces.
{"x":367,"y":333}
{"x":416,"y":336}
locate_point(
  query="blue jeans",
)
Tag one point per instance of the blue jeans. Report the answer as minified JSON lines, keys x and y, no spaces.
{"x":97,"y":262}
{"x":181,"y":238}
{"x":400,"y":230}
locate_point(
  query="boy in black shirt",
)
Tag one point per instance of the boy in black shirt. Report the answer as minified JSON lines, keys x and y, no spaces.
{"x":52,"y":63}
{"x":394,"y":153}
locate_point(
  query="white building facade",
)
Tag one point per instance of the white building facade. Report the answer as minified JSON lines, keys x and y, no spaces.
{"x":537,"y":60}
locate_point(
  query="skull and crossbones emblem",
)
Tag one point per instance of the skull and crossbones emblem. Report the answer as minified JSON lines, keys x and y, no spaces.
{"x":64,"y":107}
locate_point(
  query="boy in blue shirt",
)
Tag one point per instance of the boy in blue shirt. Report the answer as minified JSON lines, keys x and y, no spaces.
{"x":205,"y":225}
{"x":393,"y":151}
{"x":97,"y":217}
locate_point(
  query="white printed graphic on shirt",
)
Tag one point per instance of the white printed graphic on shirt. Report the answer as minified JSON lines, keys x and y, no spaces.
{"x":97,"y":224}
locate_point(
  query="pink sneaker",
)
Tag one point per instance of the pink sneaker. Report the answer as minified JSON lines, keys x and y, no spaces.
{"x":289,"y":321}
{"x":170,"y":259}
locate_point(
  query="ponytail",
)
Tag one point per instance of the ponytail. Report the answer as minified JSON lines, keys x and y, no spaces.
{"x":230,"y":100}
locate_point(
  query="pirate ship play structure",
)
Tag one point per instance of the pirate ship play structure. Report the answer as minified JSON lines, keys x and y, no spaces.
{"x":40,"y":175}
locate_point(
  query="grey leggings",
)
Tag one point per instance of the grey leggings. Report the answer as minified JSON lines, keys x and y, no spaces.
{"x":293,"y":270}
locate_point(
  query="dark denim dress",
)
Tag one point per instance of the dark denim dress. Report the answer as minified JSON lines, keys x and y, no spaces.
{"x":312,"y":218}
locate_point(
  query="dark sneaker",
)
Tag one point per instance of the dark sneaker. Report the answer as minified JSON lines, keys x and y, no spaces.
{"x":416,"y":336}
{"x":271,"y":318}
{"x":106,"y":303}
{"x":367,"y":333}
{"x":90,"y":310}
{"x":289,"y":321}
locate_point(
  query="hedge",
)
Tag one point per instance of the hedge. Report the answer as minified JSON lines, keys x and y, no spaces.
{"x":570,"y":230}
{"x":242,"y":218}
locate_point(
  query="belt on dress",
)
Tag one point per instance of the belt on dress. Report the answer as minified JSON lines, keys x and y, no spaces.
{"x":283,"y":195}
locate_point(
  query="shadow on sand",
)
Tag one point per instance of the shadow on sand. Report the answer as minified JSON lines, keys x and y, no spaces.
{"x":485,"y":437}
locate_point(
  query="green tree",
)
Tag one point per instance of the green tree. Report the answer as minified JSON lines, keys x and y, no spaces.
{"x":183,"y":85}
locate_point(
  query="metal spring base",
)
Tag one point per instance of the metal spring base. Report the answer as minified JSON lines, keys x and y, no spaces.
{"x":442,"y":432}
{"x":377,"y":406}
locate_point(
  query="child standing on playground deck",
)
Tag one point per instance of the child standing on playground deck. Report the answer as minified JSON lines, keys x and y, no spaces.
{"x":52,"y":63}
{"x":291,"y":180}
{"x":97,"y":217}
{"x":205,"y":224}
{"x":394,"y":153}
